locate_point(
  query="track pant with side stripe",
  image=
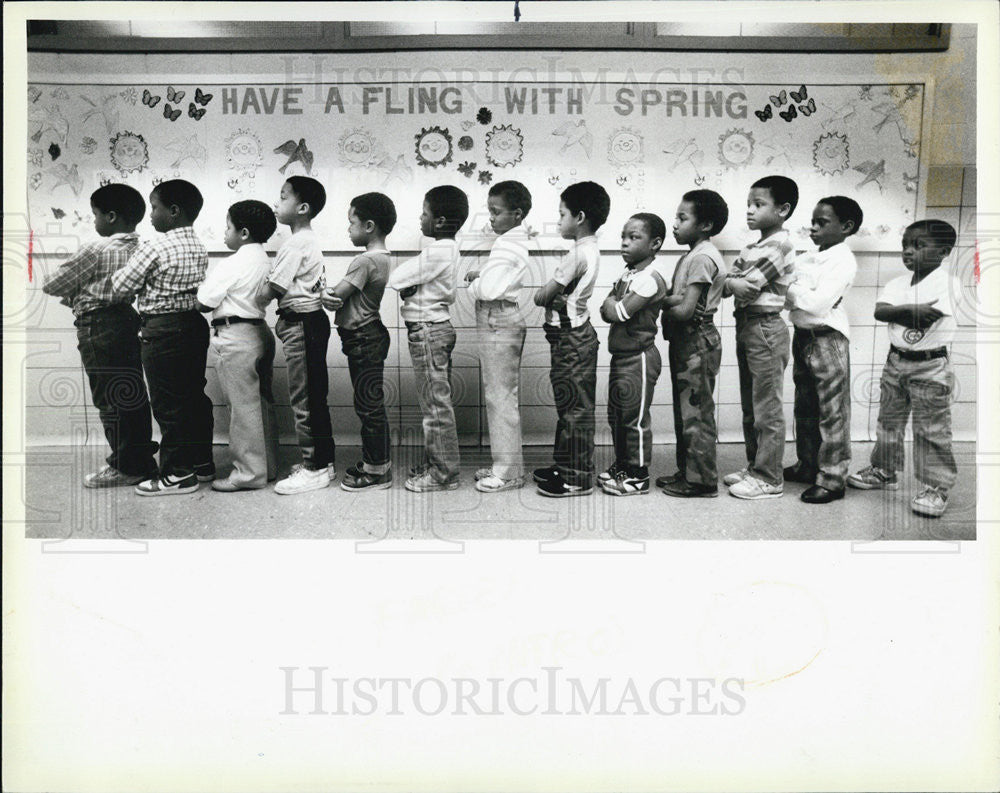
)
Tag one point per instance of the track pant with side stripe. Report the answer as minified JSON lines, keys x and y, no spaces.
{"x":630,"y":394}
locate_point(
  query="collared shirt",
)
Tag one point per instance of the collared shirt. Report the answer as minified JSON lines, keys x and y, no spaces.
{"x":433,"y":272}
{"x":822,"y":278}
{"x":503,"y":274}
{"x":578,"y":272}
{"x":298,"y":269}
{"x":637,"y":331}
{"x":84,"y":280}
{"x":767,"y":264}
{"x":703,"y":264}
{"x":232,"y":284}
{"x":939,"y":285}
{"x":164,"y":272}
{"x":368,"y":274}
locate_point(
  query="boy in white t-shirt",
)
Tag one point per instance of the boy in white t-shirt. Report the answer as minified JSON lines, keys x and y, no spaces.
{"x":917,"y":373}
{"x":244,"y":345}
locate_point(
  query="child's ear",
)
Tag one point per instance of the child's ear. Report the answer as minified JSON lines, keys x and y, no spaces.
{"x":370,"y":226}
{"x":706,"y":227}
{"x":848,"y":227}
{"x":112,"y":217}
{"x":656,"y":243}
{"x":785,"y":210}
{"x":244,"y":234}
{"x":303,"y":208}
{"x":439,"y":222}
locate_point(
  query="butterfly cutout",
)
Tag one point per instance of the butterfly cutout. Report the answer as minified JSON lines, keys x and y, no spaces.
{"x":789,"y":114}
{"x":173,"y":113}
{"x":34,"y":94}
{"x":174,"y":96}
{"x":801,"y":95}
{"x":195,"y":112}
{"x":202,"y":98}
{"x":780,"y":99}
{"x":808,"y":109}
{"x":764,"y":114}
{"x":148,"y":99}
{"x":57,"y":213}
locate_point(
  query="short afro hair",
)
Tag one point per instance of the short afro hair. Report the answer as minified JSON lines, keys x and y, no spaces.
{"x":514,"y":194}
{"x":846,"y":209}
{"x":449,"y":202}
{"x":376,"y":207}
{"x":709,"y":207}
{"x":182,"y":194}
{"x":123,"y":200}
{"x":308,"y":191}
{"x":782,"y":189}
{"x":940,"y":231}
{"x":654,"y":224}
{"x":254,"y":216}
{"x":589,"y":198}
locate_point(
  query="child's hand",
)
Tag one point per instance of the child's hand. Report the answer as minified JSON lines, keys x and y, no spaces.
{"x":330,"y":300}
{"x":743,"y":290}
{"x":410,"y":291}
{"x":558,"y":302}
{"x":925,"y":315}
{"x":673,"y":300}
{"x":699,"y":312}
{"x":471,"y":276}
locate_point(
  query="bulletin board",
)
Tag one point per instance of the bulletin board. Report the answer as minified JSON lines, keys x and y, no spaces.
{"x":646,"y":143}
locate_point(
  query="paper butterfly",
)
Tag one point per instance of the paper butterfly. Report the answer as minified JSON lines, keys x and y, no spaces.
{"x":801,"y":95}
{"x":57,"y":213}
{"x":200,"y":98}
{"x":172,"y":113}
{"x":148,"y":99}
{"x":789,"y":114}
{"x":808,"y":109}
{"x":195,"y":112}
{"x":34,"y":94}
{"x":174,"y":96}
{"x":764,"y":114}
{"x":780,"y":99}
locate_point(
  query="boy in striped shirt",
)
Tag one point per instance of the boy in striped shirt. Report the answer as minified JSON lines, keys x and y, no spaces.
{"x":759,"y":281}
{"x":583,"y":208}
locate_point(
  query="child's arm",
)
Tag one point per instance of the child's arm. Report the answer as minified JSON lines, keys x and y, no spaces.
{"x":829,"y":291}
{"x":417,"y":271}
{"x":681,"y":308}
{"x":129,"y":280}
{"x":496,"y":276}
{"x":72,"y":274}
{"x":644,"y":290}
{"x":335,"y":296}
{"x":910,"y":315}
{"x":549,"y":294}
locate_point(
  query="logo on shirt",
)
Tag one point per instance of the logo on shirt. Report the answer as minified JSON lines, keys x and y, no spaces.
{"x":912,"y":335}
{"x":319,"y":286}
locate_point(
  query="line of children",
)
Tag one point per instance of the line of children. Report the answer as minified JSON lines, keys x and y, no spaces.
{"x":165,"y":273}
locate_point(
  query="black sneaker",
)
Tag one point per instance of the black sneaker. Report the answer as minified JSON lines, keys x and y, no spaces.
{"x":675,"y":477}
{"x":205,"y":472}
{"x":794,"y":473}
{"x":362,"y":480}
{"x":611,"y":473}
{"x":557,"y":487}
{"x":545,"y":474}
{"x":627,"y":484}
{"x":685,"y":489}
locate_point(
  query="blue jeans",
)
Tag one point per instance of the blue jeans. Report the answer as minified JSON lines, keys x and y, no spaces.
{"x":501,"y":330}
{"x":366,"y":349}
{"x":431,"y":344}
{"x":574,"y":389}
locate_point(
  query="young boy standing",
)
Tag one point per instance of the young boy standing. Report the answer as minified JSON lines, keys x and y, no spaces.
{"x":632,"y":308}
{"x":365,"y":340}
{"x":821,"y":352}
{"x":165,"y":274}
{"x":583,"y":208}
{"x":107,"y":334}
{"x":244,"y":345}
{"x":917,"y":373}
{"x":501,"y":330}
{"x":759,"y":280}
{"x":297,"y":279}
{"x":695,"y":351}
{"x":427,"y":285}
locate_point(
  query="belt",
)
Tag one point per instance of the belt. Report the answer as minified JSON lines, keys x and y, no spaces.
{"x":748,"y":312}
{"x":295,"y":316}
{"x":920,"y":355}
{"x":497,"y":303}
{"x":418,"y":325}
{"x":145,"y":318}
{"x":227,"y":321}
{"x":819,"y":330}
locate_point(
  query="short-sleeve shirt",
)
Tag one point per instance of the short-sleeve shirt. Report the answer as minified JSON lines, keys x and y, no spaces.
{"x":368,"y":274}
{"x":769,"y":265}
{"x":703,"y":264}
{"x":577,"y":272}
{"x":298,"y":269}
{"x":638,"y":332}
{"x":938,"y":285}
{"x":232,"y":284}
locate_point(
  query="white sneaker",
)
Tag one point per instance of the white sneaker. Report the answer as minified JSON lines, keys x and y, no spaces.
{"x":302,"y":480}
{"x":930,"y":501}
{"x":738,"y":476}
{"x":751,"y":488}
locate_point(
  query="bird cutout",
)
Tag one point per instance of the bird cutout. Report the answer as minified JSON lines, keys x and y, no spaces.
{"x":46,"y":119}
{"x":34,"y":93}
{"x":789,"y":114}
{"x":201,"y":97}
{"x":801,"y":95}
{"x":174,"y":96}
{"x":485,"y":177}
{"x":764,"y":114}
{"x":865,"y":93}
{"x":187,"y":149}
{"x":107,"y":110}
{"x":777,"y":149}
{"x":295,"y":152}
{"x":808,"y":109}
{"x":172,"y":113}
{"x":54,"y":151}
{"x":80,"y":220}
{"x":780,"y":99}
{"x":394,"y":169}
{"x":67,"y":175}
{"x":840,"y":115}
{"x":910,"y":182}
{"x":467,"y":168}
{"x":148,"y":99}
{"x":59,"y":93}
{"x":890,"y":115}
{"x":685,"y":152}
{"x":575,"y":133}
{"x":873,"y":171}
{"x":57,"y":213}
{"x":195,"y":112}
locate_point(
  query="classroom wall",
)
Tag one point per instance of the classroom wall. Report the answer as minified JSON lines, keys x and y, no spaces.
{"x":58,"y":408}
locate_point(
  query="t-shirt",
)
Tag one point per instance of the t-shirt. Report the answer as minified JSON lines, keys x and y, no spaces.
{"x":233,"y":283}
{"x":577,"y":271}
{"x":637,"y":332}
{"x":767,"y":264}
{"x":368,"y":274}
{"x":433,"y":273}
{"x":938,"y":285}
{"x":703,"y":264}
{"x":503,"y":274}
{"x":822,"y":278}
{"x":298,"y":269}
